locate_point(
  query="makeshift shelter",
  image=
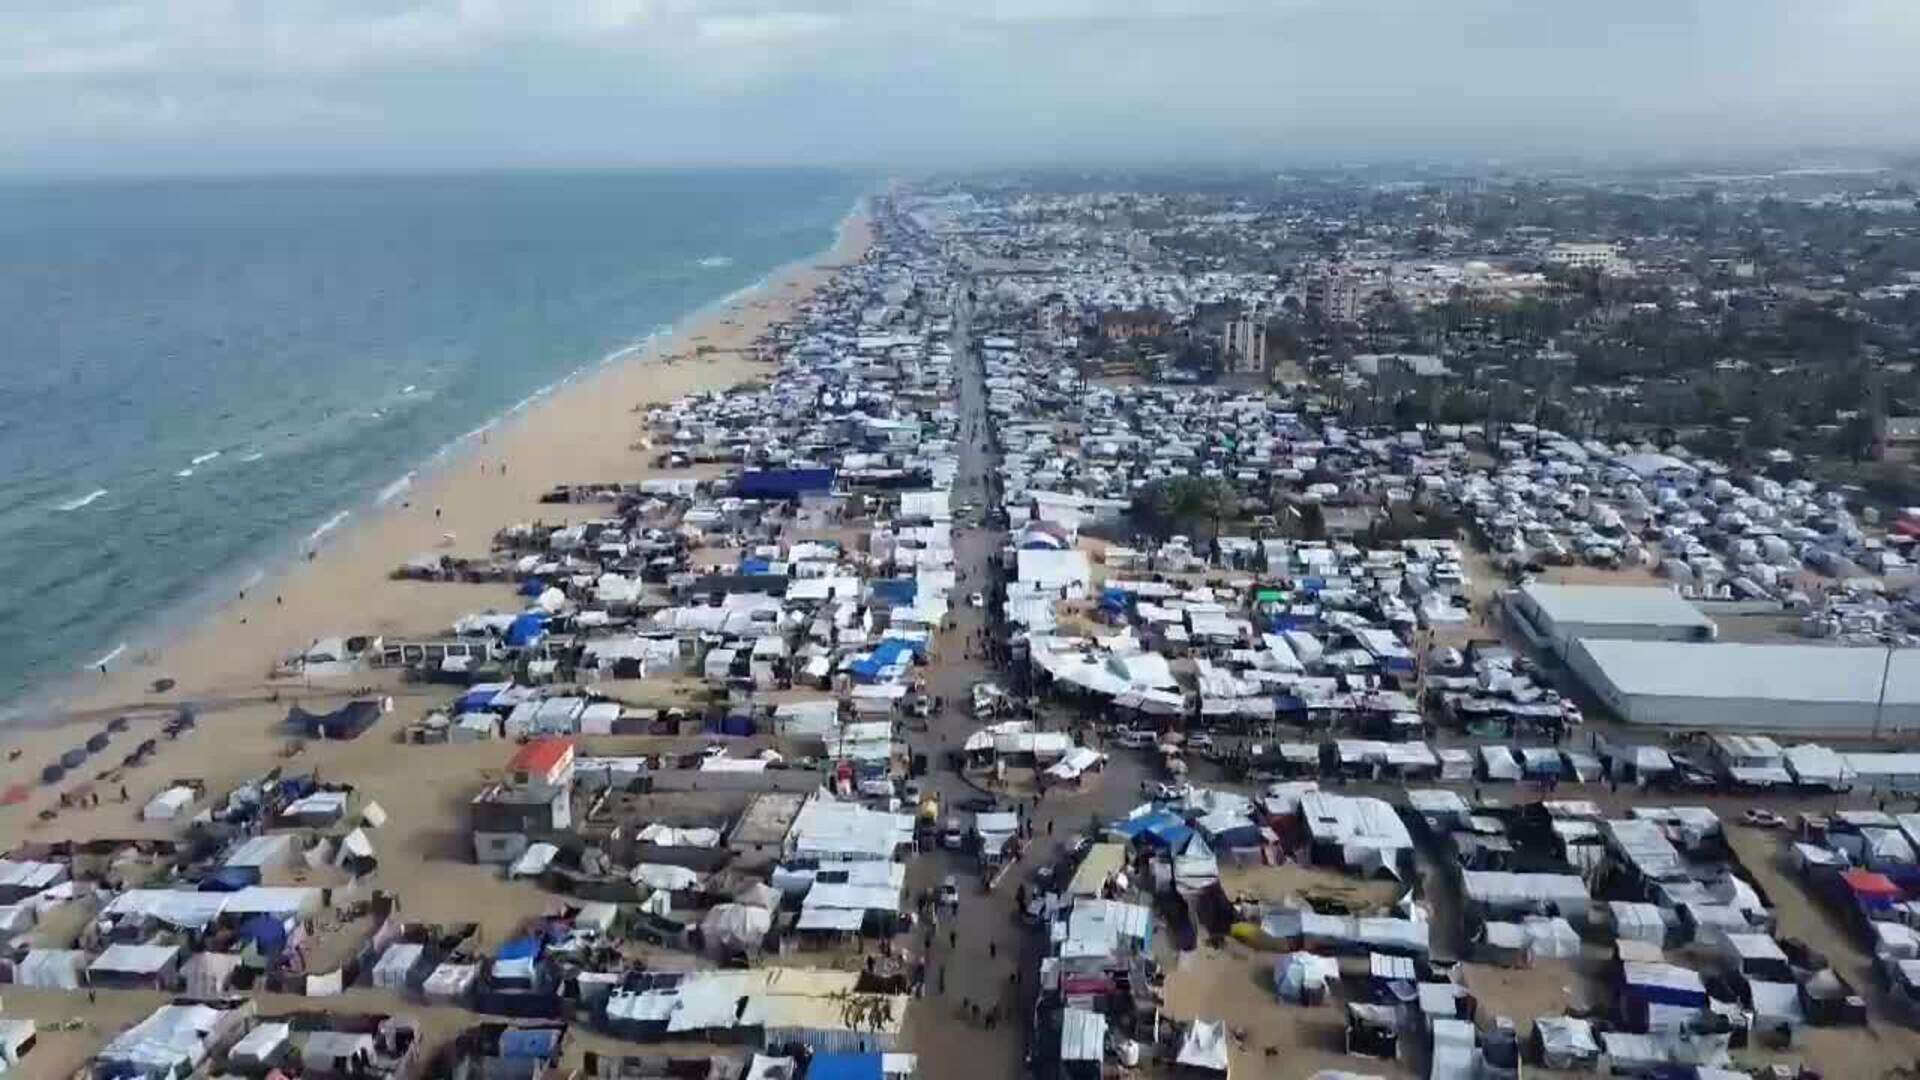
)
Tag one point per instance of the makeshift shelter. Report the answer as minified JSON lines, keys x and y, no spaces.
{"x":1565,"y":1042}
{"x":50,"y":969}
{"x":349,"y":721}
{"x":209,"y":974}
{"x":1204,"y":1047}
{"x":399,"y":966}
{"x":135,"y":967}
{"x":1302,"y":977}
{"x":730,"y":928}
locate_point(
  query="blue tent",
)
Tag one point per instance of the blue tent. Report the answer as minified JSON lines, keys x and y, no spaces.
{"x":845,"y":1067}
{"x":526,"y":948}
{"x":1113,"y":600}
{"x":527,"y":629}
{"x":230,"y":879}
{"x":474,"y":701}
{"x":889,"y":652}
{"x":1158,"y":827}
{"x":533,"y":586}
{"x":535,"y":1044}
{"x":266,"y":932}
{"x":785,"y":483}
{"x":897,"y":592}
{"x":756,"y":565}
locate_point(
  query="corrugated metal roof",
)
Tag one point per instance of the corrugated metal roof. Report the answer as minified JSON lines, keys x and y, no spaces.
{"x":1815,"y":673}
{"x":1651,"y":605}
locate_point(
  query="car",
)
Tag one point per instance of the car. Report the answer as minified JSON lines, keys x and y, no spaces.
{"x":950,"y":892}
{"x":1763,"y":819}
{"x":1199,"y":740}
{"x":1159,"y":792}
{"x":977,"y":600}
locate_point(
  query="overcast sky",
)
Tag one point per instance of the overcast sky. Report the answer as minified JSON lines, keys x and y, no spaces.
{"x":216,"y":85}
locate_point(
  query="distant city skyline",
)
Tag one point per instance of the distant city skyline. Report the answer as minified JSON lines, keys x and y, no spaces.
{"x":130,"y":86}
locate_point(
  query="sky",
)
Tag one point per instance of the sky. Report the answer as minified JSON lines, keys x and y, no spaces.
{"x":243,"y":85}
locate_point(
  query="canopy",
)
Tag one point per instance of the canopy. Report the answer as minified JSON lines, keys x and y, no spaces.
{"x":1205,"y":1046}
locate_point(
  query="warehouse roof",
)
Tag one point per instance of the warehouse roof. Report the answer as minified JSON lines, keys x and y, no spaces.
{"x":1650,"y":605}
{"x":1817,"y":673}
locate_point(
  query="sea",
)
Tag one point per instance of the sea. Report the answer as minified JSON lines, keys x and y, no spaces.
{"x":201,"y":377}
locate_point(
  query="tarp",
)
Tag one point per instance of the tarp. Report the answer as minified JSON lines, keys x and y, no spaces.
{"x":845,"y":1067}
{"x":1299,"y":974}
{"x":526,"y":629}
{"x":1205,"y":1046}
{"x":784,"y":483}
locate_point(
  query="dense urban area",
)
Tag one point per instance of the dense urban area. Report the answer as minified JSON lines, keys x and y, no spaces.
{"x":1352,"y":623}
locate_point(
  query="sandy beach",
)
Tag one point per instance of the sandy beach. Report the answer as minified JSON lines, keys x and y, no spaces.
{"x":583,"y":431}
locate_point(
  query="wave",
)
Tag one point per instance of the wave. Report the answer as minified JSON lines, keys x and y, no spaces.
{"x":332,"y":523}
{"x":408,"y":389}
{"x":184,"y":473}
{"x":88,"y":499}
{"x":202,"y":459}
{"x":393,"y":490}
{"x":110,"y":657}
{"x":714,"y":262}
{"x":255,"y":456}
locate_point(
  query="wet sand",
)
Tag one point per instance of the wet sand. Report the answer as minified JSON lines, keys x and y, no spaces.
{"x":582,"y":432}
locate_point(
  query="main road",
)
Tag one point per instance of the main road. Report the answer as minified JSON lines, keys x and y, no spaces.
{"x":983,"y":956}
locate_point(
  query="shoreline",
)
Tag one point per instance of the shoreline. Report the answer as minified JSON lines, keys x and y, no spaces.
{"x":169,"y":638}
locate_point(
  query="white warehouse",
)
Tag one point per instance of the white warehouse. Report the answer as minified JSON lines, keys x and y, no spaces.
{"x":1825,"y":689}
{"x":1558,"y":615}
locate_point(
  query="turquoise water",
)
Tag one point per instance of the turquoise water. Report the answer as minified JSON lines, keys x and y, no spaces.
{"x":195,"y":375}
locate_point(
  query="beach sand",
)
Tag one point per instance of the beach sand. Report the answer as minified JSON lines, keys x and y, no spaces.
{"x":582,"y":432}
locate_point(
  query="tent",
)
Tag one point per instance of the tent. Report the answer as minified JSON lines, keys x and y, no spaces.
{"x":1566,"y":1042}
{"x":349,"y":721}
{"x":1204,"y":1047}
{"x":1302,"y":977}
{"x":356,"y":854}
{"x":534,"y":861}
{"x":397,"y":965}
{"x":527,"y":629}
{"x":50,"y":969}
{"x":266,"y":933}
{"x":663,"y":876}
{"x":209,"y":974}
{"x":735,"y":927}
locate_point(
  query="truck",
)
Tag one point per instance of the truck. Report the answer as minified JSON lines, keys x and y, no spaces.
{"x":926,"y":822}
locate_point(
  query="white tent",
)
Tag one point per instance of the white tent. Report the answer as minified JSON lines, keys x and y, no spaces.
{"x":167,"y":805}
{"x":735,"y":926}
{"x":1302,"y":977}
{"x":664,"y":876}
{"x":451,"y":982}
{"x":395,"y":969}
{"x":50,"y":969}
{"x":1566,"y":1042}
{"x":1205,"y":1046}
{"x":534,"y":861}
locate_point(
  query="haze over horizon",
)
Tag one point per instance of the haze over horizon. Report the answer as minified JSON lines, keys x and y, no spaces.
{"x":131,"y":86}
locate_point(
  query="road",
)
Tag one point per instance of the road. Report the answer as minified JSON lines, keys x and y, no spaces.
{"x":984,"y":955}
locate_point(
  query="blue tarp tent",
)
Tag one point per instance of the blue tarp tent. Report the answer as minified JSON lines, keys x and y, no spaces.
{"x":785,"y":483}
{"x":1158,"y":827}
{"x":1114,"y":600}
{"x":533,"y":586}
{"x":845,"y":1067}
{"x":230,"y":879}
{"x":535,"y":1044}
{"x":527,"y":630}
{"x":526,"y":948}
{"x":266,"y":932}
{"x":756,"y":566}
{"x":345,"y":722}
{"x":896,"y":592}
{"x":475,"y":701}
{"x":886,"y":654}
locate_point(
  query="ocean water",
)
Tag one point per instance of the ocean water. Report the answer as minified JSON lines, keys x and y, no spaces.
{"x":196,"y":376}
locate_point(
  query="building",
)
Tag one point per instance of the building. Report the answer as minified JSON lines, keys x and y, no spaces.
{"x":1134,"y":325}
{"x":1557,"y":615}
{"x":1606,"y":258}
{"x":1900,"y":438}
{"x":1780,"y":688}
{"x":1243,"y":345}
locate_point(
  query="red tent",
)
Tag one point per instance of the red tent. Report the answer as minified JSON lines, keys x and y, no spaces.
{"x":1868,"y":885}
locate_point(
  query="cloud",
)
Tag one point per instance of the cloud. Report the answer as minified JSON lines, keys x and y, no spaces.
{"x":133,"y":84}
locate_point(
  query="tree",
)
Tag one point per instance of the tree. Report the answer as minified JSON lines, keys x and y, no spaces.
{"x":1167,"y":506}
